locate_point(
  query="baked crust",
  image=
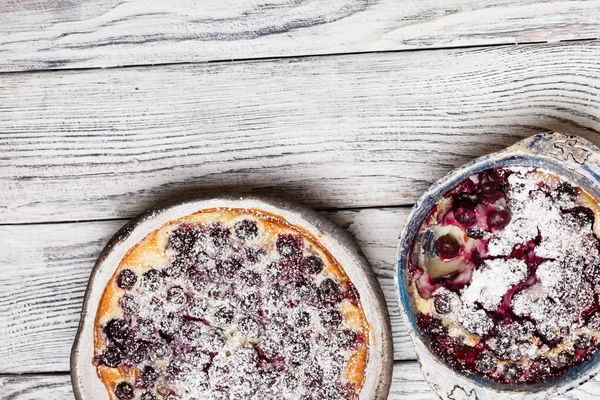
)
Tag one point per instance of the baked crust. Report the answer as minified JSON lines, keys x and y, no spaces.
{"x":151,"y":253}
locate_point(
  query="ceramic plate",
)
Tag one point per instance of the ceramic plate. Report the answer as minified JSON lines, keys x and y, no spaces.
{"x":88,"y":386}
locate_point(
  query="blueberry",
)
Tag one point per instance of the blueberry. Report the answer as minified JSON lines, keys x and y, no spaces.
{"x":580,"y":216}
{"x":219,"y":235}
{"x":302,"y":319}
{"x":126,"y":279}
{"x":313,"y":375}
{"x":485,"y":363}
{"x":220,"y":395}
{"x":465,"y":216}
{"x":224,"y":315}
{"x":183,"y":238}
{"x":330,"y":318}
{"x":498,"y":219}
{"x":270,"y":347}
{"x":254,"y":254}
{"x":145,"y":328}
{"x":549,"y":335}
{"x":443,"y":303}
{"x":124,"y":391}
{"x":170,"y":324}
{"x":176,"y":295}
{"x":112,"y":356}
{"x":149,"y":396}
{"x":155,"y":305}
{"x":278,"y":319}
{"x":582,"y":342}
{"x":329,"y":292}
{"x":565,"y":358}
{"x":305,"y":291}
{"x":117,"y":330}
{"x":128,"y":304}
{"x":251,"y":278}
{"x":250,"y":302}
{"x":312,"y":264}
{"x":594,"y":321}
{"x":138,"y":351}
{"x":289,"y":245}
{"x":568,"y":190}
{"x":149,"y":376}
{"x":447,"y":247}
{"x":199,"y":282}
{"x":540,"y":367}
{"x":246,"y":229}
{"x":502,"y":347}
{"x":175,"y":269}
{"x":437,"y":327}
{"x":347,"y":339}
{"x":249,"y":328}
{"x":513,"y":372}
{"x":298,"y":351}
{"x":160,"y":350}
{"x":151,"y":280}
{"x":198,"y":308}
{"x":245,"y":358}
{"x":227,"y":268}
{"x":335,"y":391}
{"x":192,"y":332}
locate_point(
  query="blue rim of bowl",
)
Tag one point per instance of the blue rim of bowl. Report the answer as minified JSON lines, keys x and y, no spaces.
{"x":526,"y":153}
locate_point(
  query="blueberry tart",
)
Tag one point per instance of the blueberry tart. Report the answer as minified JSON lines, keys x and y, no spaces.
{"x":231,"y":303}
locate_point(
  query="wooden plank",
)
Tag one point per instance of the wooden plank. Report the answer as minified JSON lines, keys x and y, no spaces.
{"x":45,"y":269}
{"x":35,"y":387}
{"x":407,"y":384}
{"x":330,"y":132}
{"x":72,"y":34}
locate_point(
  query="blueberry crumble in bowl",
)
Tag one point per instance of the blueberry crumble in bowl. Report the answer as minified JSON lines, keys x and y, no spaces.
{"x":499,"y":273}
{"x":232,"y":299}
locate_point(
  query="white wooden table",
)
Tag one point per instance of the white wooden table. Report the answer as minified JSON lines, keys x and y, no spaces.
{"x":353,"y":107}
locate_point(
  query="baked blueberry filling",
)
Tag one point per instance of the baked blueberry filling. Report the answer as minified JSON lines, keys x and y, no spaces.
{"x":506,"y":273}
{"x":232,"y":317}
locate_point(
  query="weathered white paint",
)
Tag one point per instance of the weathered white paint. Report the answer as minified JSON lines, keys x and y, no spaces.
{"x":330,"y":132}
{"x":50,"y":34}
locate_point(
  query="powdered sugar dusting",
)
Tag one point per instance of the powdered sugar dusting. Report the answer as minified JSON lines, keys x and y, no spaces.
{"x":236,"y":314}
{"x":530,"y":309}
{"x":490,"y":283}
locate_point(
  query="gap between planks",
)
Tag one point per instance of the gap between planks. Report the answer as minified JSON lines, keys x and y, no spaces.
{"x":54,"y":35}
{"x":295,"y":56}
{"x":333,"y":132}
{"x":407,"y":384}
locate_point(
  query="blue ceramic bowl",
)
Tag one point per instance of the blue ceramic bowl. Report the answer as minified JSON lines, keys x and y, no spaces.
{"x":570,"y":157}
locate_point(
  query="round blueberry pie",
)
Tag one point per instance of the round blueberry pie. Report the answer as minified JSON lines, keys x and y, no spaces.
{"x":231,"y":303}
{"x":505,"y":272}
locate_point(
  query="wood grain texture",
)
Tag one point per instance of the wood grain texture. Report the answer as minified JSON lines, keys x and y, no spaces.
{"x":330,"y":132}
{"x":407,"y":384}
{"x":45,"y":269}
{"x":77,"y":33}
{"x":36,"y":387}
